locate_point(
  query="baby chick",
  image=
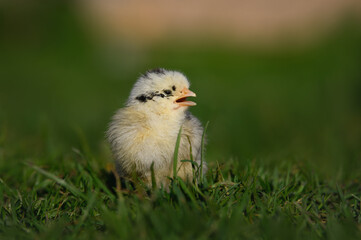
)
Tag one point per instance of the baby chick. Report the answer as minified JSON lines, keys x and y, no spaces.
{"x":146,"y":129}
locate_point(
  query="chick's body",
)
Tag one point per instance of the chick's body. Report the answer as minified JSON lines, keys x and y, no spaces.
{"x":146,"y":129}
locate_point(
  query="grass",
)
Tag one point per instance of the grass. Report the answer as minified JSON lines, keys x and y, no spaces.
{"x":79,"y":197}
{"x":81,"y":201}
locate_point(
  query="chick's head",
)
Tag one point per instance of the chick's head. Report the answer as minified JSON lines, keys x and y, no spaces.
{"x":161,"y":91}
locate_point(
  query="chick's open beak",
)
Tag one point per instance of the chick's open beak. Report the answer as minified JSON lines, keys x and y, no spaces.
{"x":182,"y":99}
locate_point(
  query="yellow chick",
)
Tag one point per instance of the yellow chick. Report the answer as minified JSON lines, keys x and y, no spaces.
{"x":145,"y":131}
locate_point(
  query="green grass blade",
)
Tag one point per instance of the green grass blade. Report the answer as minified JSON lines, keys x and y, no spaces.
{"x":188,"y":192}
{"x":102,"y":186}
{"x":190,"y":149}
{"x":154,"y":183}
{"x":175,"y":157}
{"x":202,"y":151}
{"x":58,"y":180}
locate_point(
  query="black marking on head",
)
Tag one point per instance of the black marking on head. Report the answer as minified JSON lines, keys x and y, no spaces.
{"x":155,"y":71}
{"x":174,"y":88}
{"x":157,"y":94}
{"x":149,"y":96}
{"x":168,"y":92}
{"x":141,"y":98}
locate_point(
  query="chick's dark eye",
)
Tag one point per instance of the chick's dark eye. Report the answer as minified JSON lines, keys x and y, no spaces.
{"x":167,"y":91}
{"x":174,"y":88}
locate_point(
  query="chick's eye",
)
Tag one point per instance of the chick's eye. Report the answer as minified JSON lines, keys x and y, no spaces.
{"x":167,"y":91}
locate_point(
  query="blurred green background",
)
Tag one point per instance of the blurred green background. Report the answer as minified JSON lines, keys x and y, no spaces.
{"x":60,"y":85}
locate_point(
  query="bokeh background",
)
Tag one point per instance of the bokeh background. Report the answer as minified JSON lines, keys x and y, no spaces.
{"x":279,"y":81}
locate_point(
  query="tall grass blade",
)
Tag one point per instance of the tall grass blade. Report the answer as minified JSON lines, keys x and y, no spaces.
{"x":58,"y":180}
{"x":202,"y":151}
{"x":154,"y":183}
{"x":175,"y":157}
